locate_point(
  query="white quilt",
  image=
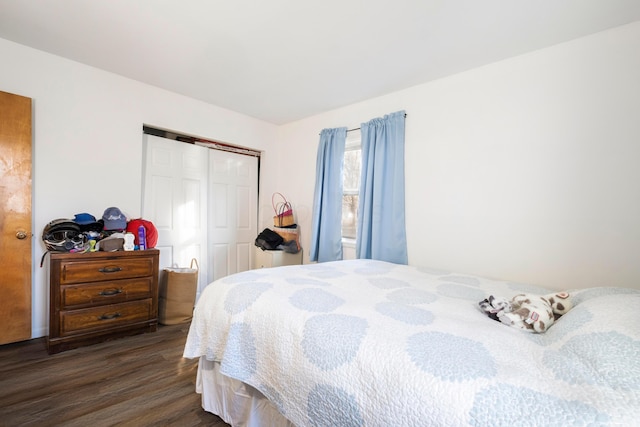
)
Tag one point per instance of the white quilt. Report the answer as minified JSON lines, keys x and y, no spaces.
{"x":368,"y":343}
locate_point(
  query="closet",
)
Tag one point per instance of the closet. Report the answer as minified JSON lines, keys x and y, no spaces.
{"x":204,"y":203}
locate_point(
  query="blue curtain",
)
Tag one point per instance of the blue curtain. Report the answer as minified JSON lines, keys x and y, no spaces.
{"x":381,"y":220}
{"x":326,"y":233}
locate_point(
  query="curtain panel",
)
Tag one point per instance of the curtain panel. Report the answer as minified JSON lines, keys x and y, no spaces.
{"x":381,"y":232}
{"x":326,"y":232}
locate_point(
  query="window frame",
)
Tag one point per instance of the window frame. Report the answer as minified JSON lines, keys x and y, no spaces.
{"x":352,"y":143}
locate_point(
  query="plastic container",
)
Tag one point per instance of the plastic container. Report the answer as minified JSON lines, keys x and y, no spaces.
{"x":142,"y":238}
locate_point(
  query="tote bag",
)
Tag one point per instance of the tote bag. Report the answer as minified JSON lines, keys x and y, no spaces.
{"x":283,"y":211}
{"x":177,"y":294}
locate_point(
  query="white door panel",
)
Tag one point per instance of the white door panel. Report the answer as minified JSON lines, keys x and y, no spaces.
{"x":244,"y":256}
{"x":174,"y":199}
{"x":221,"y":264}
{"x":234,"y":209}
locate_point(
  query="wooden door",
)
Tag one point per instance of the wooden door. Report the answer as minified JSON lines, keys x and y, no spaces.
{"x":15,"y":218}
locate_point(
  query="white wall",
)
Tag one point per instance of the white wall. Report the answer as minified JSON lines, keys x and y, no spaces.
{"x":524,"y":170}
{"x":88,"y":140}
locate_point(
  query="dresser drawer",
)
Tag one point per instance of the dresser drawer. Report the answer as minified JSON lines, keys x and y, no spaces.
{"x":109,"y":292}
{"x":106,"y":269}
{"x":104,"y":317}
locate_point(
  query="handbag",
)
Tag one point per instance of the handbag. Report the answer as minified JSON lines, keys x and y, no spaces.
{"x":283,"y":211}
{"x":268,"y":240}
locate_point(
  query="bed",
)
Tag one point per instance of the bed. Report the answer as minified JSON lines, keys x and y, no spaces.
{"x":370,"y":343}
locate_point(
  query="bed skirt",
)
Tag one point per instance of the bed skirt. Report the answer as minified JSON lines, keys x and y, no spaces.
{"x":235,"y":402}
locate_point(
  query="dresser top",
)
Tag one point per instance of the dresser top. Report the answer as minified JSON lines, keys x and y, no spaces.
{"x":103,"y":255}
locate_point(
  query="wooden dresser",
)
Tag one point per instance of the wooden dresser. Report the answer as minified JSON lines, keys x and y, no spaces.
{"x":101,"y":295}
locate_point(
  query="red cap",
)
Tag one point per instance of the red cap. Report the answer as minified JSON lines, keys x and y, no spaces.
{"x":149,"y":228}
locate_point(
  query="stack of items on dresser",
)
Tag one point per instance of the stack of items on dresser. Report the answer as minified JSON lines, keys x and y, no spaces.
{"x":284,"y":235}
{"x":113,"y":232}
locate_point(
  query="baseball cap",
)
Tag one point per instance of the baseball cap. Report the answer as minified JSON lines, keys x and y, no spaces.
{"x":84,"y":218}
{"x":87,"y":222}
{"x":114,"y":219}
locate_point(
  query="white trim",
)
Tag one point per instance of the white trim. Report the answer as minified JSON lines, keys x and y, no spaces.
{"x":348,"y":242}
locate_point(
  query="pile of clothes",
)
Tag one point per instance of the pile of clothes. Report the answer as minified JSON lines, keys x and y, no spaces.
{"x":113,"y":232}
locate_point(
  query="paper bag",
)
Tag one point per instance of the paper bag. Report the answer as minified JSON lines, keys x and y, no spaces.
{"x":177,"y":294}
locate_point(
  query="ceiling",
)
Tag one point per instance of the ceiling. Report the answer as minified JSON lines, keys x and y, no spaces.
{"x":284,"y":60}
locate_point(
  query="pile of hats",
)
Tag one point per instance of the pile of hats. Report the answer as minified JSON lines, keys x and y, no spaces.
{"x":113,"y":232}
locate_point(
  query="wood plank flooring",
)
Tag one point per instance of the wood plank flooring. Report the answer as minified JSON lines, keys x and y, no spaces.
{"x":135,"y":381}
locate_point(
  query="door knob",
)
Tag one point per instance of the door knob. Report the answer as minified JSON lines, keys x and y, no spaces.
{"x":21,"y":234}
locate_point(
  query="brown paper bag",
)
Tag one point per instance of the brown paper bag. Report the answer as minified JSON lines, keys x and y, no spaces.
{"x":177,"y":294}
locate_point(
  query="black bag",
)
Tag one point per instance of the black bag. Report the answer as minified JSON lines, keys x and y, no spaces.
{"x":268,"y":240}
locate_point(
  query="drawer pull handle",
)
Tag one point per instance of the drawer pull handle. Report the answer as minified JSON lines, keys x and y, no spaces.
{"x":110,"y":270}
{"x":109,"y":316}
{"x":109,"y":292}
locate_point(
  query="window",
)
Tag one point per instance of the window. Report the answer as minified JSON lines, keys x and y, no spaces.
{"x":351,"y":184}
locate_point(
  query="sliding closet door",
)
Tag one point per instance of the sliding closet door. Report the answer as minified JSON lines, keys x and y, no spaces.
{"x":175,"y":199}
{"x":233,"y":212}
{"x":204,"y":203}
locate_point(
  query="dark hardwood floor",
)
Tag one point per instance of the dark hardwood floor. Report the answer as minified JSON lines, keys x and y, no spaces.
{"x":135,"y":381}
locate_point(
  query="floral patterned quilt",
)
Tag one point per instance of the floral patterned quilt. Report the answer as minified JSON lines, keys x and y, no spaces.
{"x":369,"y":343}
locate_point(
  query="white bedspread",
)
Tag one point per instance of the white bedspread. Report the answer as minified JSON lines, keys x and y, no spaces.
{"x":368,"y":343}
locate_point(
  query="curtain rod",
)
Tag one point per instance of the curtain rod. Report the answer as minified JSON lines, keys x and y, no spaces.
{"x":351,"y":130}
